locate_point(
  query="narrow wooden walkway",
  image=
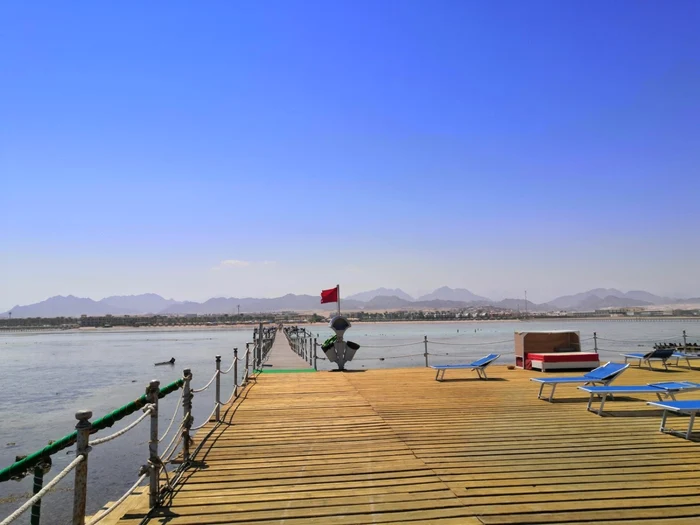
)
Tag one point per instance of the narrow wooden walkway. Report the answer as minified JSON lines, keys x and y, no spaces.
{"x":394,"y":446}
{"x":282,"y":357}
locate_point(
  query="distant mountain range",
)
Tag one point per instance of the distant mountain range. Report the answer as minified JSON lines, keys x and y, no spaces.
{"x":379,"y":299}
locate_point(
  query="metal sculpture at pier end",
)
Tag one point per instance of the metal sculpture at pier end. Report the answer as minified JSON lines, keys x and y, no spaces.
{"x":338,"y":350}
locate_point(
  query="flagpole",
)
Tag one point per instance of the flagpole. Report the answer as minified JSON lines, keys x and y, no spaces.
{"x":338,"y":292}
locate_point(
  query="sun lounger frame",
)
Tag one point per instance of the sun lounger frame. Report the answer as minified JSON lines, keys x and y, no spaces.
{"x":586,"y":379}
{"x":687,"y":357}
{"x":667,"y":390}
{"x":479,"y":365}
{"x":670,"y":407}
{"x":650,"y":356}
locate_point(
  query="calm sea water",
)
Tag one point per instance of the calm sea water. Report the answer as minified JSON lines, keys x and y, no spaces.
{"x":47,"y":377}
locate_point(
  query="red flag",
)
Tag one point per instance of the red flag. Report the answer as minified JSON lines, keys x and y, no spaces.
{"x":329,"y":296}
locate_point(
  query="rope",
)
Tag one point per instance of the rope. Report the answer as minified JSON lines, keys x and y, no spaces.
{"x":31,"y":501}
{"x":146,"y":412}
{"x":394,"y":346}
{"x":473,"y":344}
{"x":206,"y":420}
{"x":230,"y":367}
{"x":639,"y":340}
{"x":387,"y":357}
{"x":128,"y":493}
{"x":235,"y":387}
{"x":175,"y":437}
{"x":172,"y":419}
{"x":196,"y":390}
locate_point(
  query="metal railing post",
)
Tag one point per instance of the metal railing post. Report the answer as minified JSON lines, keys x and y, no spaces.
{"x":247,"y":363}
{"x":153,"y":458}
{"x":235,"y":373}
{"x":35,"y":518}
{"x":187,"y":413}
{"x":218,"y":387}
{"x":685,"y":341}
{"x":315,"y":350}
{"x":595,"y":342}
{"x":83,"y":428}
{"x":425,"y":342}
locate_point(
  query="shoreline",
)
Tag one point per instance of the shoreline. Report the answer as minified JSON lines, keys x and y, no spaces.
{"x":249,"y":326}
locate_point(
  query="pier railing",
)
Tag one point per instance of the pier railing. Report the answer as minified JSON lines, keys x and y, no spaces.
{"x":263,"y":338}
{"x":177,"y":451}
{"x":304,"y":344}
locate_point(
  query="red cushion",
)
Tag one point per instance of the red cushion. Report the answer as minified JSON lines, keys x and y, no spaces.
{"x":564,"y":357}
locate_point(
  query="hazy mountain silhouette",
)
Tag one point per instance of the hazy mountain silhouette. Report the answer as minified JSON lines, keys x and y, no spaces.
{"x":66,"y":306}
{"x":443,"y":298}
{"x":387,"y":292}
{"x":446,"y":293}
{"x":147,"y":303}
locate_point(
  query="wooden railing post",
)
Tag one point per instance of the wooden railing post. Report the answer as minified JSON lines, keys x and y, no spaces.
{"x":154,"y":460}
{"x":83,"y":428}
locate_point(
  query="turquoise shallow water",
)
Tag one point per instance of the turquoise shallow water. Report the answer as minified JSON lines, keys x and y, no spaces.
{"x":46,"y":377}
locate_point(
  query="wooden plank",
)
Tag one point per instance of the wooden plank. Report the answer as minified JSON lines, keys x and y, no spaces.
{"x":395,"y":446}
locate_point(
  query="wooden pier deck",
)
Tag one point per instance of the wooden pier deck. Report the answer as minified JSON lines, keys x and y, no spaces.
{"x":282,"y":357}
{"x":395,"y":446}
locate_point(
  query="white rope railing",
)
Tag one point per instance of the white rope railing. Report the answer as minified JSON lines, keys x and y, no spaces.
{"x":196,"y":390}
{"x":175,"y":437}
{"x":146,"y":412}
{"x":233,"y":394}
{"x":207,"y":419}
{"x":36,"y":497}
{"x":168,"y":454}
{"x":235,"y":359}
{"x":172,"y":419}
{"x":128,"y":493}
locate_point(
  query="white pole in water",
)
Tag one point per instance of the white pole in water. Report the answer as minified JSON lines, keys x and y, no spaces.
{"x":525,"y":303}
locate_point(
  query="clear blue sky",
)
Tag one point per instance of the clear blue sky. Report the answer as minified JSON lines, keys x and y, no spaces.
{"x":500,"y":146}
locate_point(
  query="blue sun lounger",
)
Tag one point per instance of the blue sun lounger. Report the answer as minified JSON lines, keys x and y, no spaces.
{"x":603,"y":375}
{"x":659,"y":354}
{"x":479,"y":365}
{"x":667,"y":389}
{"x":689,"y":407}
{"x":687,"y":357}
